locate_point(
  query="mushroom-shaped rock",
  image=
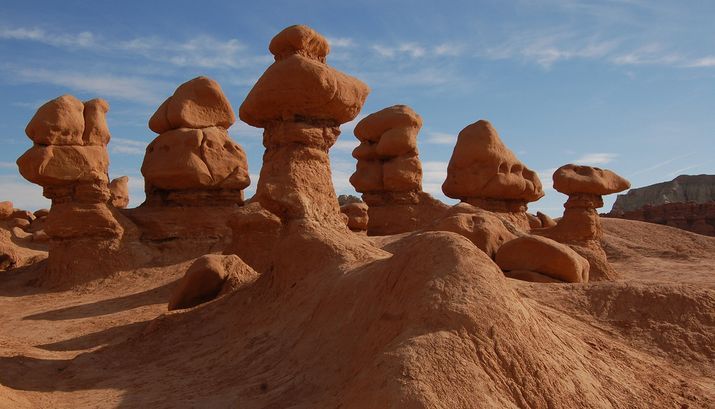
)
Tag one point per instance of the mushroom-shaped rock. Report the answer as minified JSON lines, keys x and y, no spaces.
{"x":58,"y":122}
{"x":61,"y":165}
{"x":389,"y":173}
{"x":208,"y":277}
{"x":300,"y":85}
{"x":572,"y":179}
{"x":357,"y":214}
{"x":119,"y":190}
{"x":545,"y":256}
{"x":482,"y":167}
{"x":580,"y":226}
{"x":198,"y":103}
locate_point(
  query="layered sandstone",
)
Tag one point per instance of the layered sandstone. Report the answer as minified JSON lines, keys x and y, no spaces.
{"x":389,"y":173}
{"x":695,"y":217}
{"x":682,"y":189}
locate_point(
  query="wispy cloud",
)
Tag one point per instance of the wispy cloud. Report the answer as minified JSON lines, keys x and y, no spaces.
{"x":410,"y":49}
{"x":440,"y":138}
{"x":341,"y":42}
{"x":661,"y":164}
{"x":433,"y":175}
{"x":648,"y":54}
{"x":595,"y":158}
{"x":83,"y":39}
{"x":23,"y":194}
{"x":705,"y":62}
{"x":127,"y":146}
{"x":129,"y":88}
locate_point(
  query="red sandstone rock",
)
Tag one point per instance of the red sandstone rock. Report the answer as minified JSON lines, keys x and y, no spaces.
{"x":534,"y":277}
{"x":41,"y":213}
{"x":6,"y":210}
{"x":483,"y":167}
{"x":545,"y":256}
{"x":546,"y":220}
{"x":300,"y":85}
{"x":119,"y":190}
{"x":58,"y":122}
{"x":207,"y":277}
{"x":357,"y":215}
{"x":96,"y":131}
{"x":570,"y":179}
{"x":198,"y":103}
{"x":61,"y":165}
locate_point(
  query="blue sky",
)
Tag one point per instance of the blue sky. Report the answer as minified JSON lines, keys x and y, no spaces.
{"x":628,"y":85}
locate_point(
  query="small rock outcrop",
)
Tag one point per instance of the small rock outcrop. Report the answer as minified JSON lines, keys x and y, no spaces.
{"x":580,"y":226}
{"x":485,"y":173}
{"x":682,"y":189}
{"x":357,"y":215}
{"x":695,"y":217}
{"x":389,"y":173}
{"x":543,"y":256}
{"x":119,"y":191}
{"x":209,"y":277}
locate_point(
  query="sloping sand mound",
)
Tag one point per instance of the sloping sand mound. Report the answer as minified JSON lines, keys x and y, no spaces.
{"x":428,"y":321}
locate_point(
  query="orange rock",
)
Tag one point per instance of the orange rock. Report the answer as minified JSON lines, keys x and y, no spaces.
{"x":58,"y":122}
{"x":298,"y":87}
{"x":6,"y":210}
{"x":402,"y":174}
{"x":193,"y":159}
{"x":570,"y":179}
{"x":96,"y":131}
{"x":534,"y":277}
{"x":545,"y":256}
{"x":357,"y":216}
{"x":396,"y":117}
{"x":119,"y":190}
{"x":41,"y":213}
{"x":57,"y":165}
{"x":78,"y":220}
{"x":483,"y":167}
{"x":198,"y":103}
{"x":546,"y":221}
{"x":206,"y":278}
{"x":300,"y":40}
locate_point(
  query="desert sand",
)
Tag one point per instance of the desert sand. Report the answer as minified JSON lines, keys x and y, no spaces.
{"x":203,"y":298}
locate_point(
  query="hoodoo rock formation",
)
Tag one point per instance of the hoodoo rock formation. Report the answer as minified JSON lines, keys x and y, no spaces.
{"x":389,"y":173}
{"x":194,"y":173}
{"x":300,"y":102}
{"x":69,"y":160}
{"x":301,"y":312}
{"x":580,"y":225}
{"x":485,"y":173}
{"x":119,"y":191}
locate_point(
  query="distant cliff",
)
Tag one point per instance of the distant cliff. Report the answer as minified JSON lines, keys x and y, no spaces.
{"x":686,"y":202}
{"x":684,"y":188}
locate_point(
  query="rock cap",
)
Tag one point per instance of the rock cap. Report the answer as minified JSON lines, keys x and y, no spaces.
{"x":571,"y":179}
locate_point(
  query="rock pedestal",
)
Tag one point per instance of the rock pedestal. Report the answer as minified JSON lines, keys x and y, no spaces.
{"x":580,"y":226}
{"x":389,"y":173}
{"x":300,"y":103}
{"x":485,"y":173}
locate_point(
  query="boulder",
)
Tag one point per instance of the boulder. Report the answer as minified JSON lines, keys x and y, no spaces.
{"x":96,"y":131}
{"x":62,"y":165}
{"x":357,"y":216}
{"x":300,"y":40}
{"x":6,"y":209}
{"x":545,"y":256}
{"x":58,"y":122}
{"x":209,"y":276}
{"x":119,"y":190}
{"x":41,"y":213}
{"x":571,"y":179}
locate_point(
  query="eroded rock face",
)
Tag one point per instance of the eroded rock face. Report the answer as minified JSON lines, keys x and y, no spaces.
{"x":485,"y":173}
{"x":389,"y":173}
{"x":580,"y":226}
{"x":357,"y":215}
{"x":194,"y":161}
{"x":695,"y":217}
{"x":682,"y":189}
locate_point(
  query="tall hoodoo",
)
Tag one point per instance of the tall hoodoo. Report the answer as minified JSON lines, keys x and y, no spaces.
{"x":193,"y":161}
{"x":389,"y":173}
{"x":580,"y":225}
{"x":485,"y":173}
{"x":69,"y":160}
{"x":300,"y":102}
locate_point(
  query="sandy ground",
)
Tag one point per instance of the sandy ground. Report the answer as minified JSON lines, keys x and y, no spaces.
{"x":662,"y":310}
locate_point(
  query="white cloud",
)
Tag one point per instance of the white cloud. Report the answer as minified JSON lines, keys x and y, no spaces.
{"x":127,"y":146}
{"x":128,"y":88}
{"x":241,"y":131}
{"x":705,"y":62}
{"x":595,"y":159}
{"x":647,"y":54}
{"x":448,"y":49}
{"x":346,"y":144}
{"x":340,"y":42}
{"x":545,"y":176}
{"x":23,"y":194}
{"x":410,"y":49}
{"x":440,"y":138}
{"x":433,"y":175}
{"x":84,"y":39}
